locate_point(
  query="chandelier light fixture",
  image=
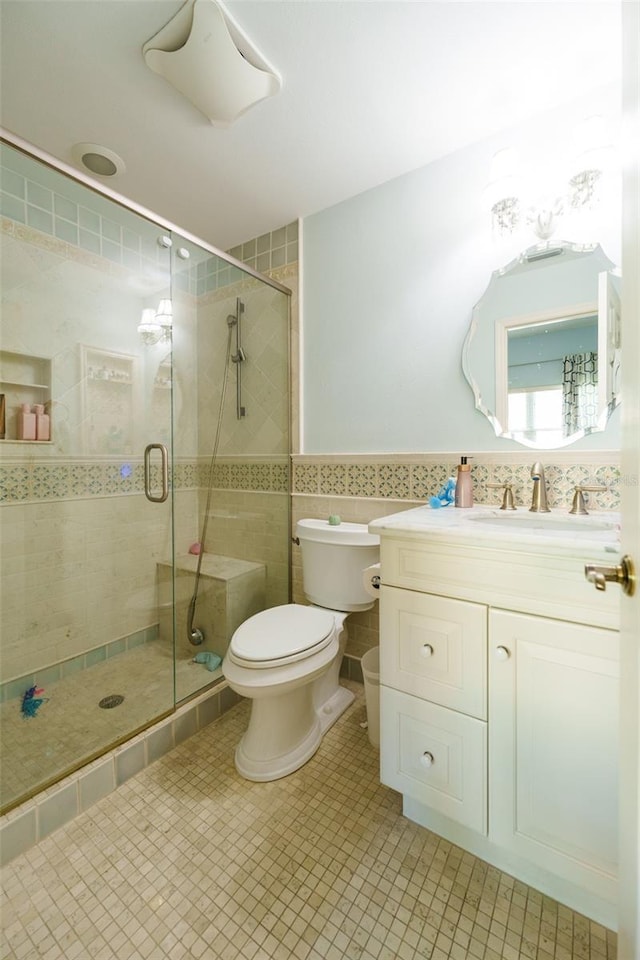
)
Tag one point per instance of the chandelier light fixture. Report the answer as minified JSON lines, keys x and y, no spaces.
{"x":156,"y":325}
{"x":511,"y":204}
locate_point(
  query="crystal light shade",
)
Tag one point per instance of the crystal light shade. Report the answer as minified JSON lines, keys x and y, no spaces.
{"x":164,"y":313}
{"x":504,"y":197}
{"x":156,"y":325}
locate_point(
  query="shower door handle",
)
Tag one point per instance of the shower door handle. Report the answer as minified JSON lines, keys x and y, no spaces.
{"x":164,"y":464}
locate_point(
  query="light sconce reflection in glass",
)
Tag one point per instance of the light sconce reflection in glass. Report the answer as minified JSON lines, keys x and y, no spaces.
{"x":506,"y":195}
{"x":156,"y":325}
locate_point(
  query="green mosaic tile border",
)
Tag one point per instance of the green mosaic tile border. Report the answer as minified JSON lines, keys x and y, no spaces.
{"x":44,"y":481}
{"x":12,"y":689}
{"x":419,"y":481}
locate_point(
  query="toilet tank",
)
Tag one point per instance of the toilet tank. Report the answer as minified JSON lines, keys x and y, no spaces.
{"x":333,"y":558}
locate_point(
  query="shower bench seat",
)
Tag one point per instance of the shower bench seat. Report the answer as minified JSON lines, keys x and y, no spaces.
{"x":230,"y":590}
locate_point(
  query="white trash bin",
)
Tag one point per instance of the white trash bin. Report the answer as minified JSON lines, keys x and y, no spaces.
{"x":371,"y":673}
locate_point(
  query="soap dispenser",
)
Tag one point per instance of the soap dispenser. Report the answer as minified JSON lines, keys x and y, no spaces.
{"x":464,"y":484}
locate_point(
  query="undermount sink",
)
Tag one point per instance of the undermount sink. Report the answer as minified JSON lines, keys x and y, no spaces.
{"x":544,"y":522}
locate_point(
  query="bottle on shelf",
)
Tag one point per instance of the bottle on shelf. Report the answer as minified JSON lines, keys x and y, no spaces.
{"x":26,"y":423}
{"x":42,"y":422}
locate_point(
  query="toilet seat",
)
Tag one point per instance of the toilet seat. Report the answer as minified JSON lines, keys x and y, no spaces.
{"x":281,"y":635}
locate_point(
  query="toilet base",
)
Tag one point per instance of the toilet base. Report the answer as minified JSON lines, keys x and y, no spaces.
{"x":271,"y":748}
{"x":283,"y":733}
{"x":334,"y":707}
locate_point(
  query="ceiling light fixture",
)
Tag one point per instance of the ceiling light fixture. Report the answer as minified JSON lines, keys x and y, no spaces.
{"x":98,"y":160}
{"x":210,"y":60}
{"x":505,"y":195}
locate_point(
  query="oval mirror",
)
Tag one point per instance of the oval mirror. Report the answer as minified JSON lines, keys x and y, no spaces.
{"x":543,"y":352}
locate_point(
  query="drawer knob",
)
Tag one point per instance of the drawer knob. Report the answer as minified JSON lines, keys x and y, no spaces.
{"x":427,"y":759}
{"x":427,"y":650}
{"x":502,"y":653}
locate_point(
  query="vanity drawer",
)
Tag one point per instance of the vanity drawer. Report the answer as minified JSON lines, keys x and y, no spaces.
{"x":435,"y":648}
{"x":436,"y":756}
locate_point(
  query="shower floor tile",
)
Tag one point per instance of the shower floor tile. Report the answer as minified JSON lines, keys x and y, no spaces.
{"x":71,"y":727}
{"x":186,"y":860}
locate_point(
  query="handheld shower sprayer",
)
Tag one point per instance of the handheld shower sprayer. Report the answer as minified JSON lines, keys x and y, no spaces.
{"x":194,"y":634}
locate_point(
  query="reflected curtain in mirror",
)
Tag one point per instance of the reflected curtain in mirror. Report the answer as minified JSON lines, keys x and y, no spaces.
{"x":580,"y":392}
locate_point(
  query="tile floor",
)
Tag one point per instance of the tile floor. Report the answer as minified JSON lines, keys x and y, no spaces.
{"x":70,"y":726}
{"x":188,"y":860}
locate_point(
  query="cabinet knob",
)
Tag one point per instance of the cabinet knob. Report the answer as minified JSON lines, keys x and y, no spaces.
{"x":427,"y":650}
{"x":502,"y":653}
{"x":427,"y":759}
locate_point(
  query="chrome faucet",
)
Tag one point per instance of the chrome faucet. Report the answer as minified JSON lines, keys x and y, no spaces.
{"x":539,"y":497}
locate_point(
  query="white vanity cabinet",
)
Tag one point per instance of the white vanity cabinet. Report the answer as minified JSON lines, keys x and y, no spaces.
{"x":498,"y":706}
{"x":553,"y":745}
{"x":433,"y":705}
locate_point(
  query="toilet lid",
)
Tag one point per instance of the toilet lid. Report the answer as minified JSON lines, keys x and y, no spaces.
{"x":282,"y":634}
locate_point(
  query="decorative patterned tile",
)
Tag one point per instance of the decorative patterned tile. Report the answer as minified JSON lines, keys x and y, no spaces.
{"x":427,"y":480}
{"x":333,"y":479}
{"x":305,"y":478}
{"x":95,"y":480}
{"x":393,"y":481}
{"x":239,"y":476}
{"x":361,"y":480}
{"x":14,"y":484}
{"x":49,"y":482}
{"x":280,"y":477}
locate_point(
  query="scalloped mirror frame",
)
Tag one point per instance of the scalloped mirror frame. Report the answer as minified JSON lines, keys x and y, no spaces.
{"x":484,"y":353}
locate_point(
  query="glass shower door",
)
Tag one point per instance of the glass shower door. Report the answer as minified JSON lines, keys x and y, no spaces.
{"x":86,"y":523}
{"x":231,"y":447}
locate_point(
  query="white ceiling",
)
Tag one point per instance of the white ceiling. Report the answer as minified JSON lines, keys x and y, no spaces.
{"x":371,"y":89}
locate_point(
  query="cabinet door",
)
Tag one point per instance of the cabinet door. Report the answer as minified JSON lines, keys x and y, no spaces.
{"x":553,"y":744}
{"x":435,"y":755}
{"x":435,"y":648}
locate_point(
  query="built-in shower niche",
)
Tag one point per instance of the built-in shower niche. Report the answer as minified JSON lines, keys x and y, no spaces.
{"x":229,"y":592}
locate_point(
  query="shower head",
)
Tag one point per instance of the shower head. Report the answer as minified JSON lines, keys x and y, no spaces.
{"x":231,"y":320}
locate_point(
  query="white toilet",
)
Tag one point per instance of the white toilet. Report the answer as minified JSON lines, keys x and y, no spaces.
{"x":287,"y":659}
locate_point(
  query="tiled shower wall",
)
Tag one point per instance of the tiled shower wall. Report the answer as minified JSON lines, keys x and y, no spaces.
{"x":69,"y":528}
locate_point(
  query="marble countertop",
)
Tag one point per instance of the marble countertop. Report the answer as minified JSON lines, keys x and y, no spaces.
{"x":557,"y":532}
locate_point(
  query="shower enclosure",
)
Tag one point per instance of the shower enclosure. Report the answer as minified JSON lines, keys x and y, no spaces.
{"x":118,"y":326}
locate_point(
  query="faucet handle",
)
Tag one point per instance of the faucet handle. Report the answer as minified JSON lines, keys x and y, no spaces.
{"x":507,"y":500}
{"x":579,"y":506}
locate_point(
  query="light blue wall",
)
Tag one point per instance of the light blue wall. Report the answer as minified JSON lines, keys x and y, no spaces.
{"x":389,"y":281}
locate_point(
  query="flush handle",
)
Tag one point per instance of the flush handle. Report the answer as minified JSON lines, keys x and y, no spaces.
{"x":624,"y":574}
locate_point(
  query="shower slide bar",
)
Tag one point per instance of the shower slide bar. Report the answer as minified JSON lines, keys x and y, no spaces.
{"x":239,"y":356}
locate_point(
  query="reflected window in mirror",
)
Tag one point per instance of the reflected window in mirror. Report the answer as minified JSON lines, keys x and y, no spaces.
{"x":543,"y":350}
{"x":552,"y":379}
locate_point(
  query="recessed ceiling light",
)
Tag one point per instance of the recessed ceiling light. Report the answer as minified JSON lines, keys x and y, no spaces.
{"x":97,"y":159}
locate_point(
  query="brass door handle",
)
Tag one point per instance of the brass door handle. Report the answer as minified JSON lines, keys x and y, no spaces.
{"x":624,"y":574}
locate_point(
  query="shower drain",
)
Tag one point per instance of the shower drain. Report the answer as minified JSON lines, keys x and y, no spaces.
{"x":113,"y":700}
